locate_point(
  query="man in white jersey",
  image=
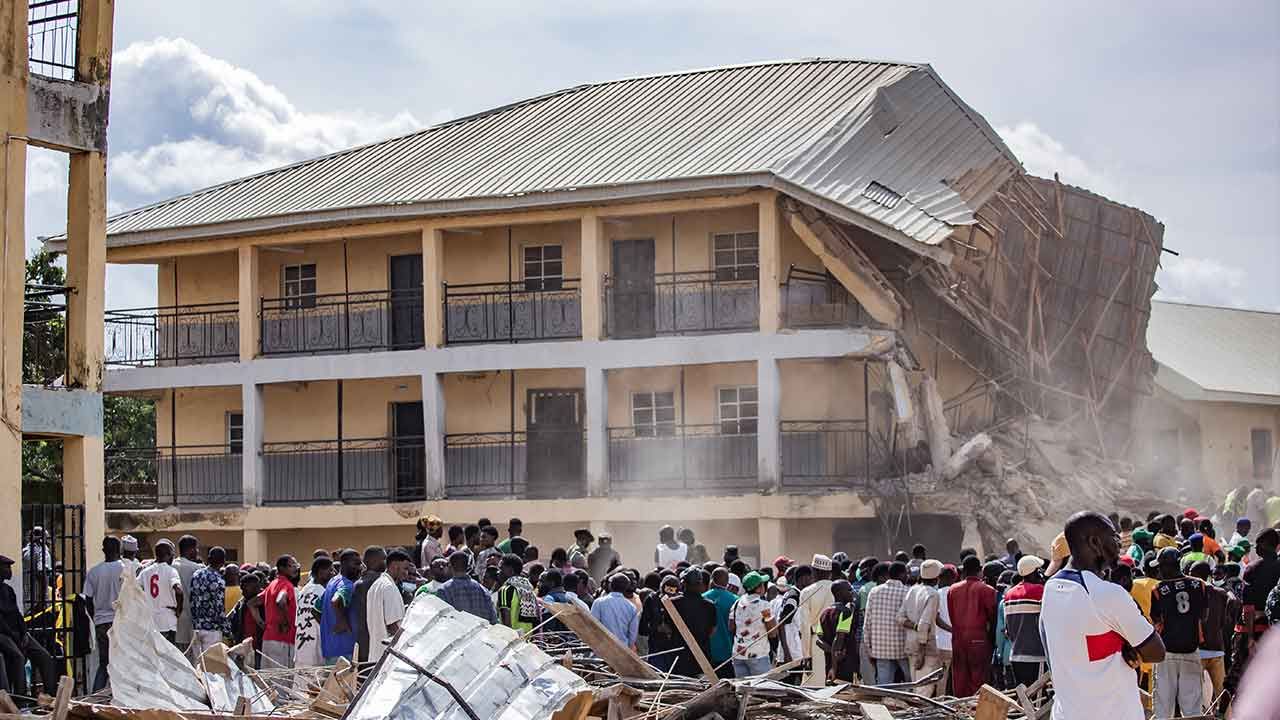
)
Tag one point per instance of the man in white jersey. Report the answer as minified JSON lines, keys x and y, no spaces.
{"x":162,"y":587}
{"x":1092,"y":628}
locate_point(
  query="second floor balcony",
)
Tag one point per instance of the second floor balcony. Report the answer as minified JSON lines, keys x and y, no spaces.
{"x":541,"y":309}
{"x":316,"y":324}
{"x":173,"y":335}
{"x":677,"y":303}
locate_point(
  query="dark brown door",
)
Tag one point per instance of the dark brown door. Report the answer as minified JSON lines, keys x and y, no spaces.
{"x":407,"y":451}
{"x":631,"y":298}
{"x":406,"y":301}
{"x":554,"y":444}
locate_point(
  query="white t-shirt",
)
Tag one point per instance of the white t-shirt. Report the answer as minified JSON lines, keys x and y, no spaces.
{"x":943,"y":637}
{"x":158,"y":581}
{"x":1083,"y":625}
{"x":306,"y":639}
{"x":383,"y":606}
{"x":670,"y":557}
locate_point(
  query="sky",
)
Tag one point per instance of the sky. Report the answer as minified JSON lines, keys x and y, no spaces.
{"x":1173,"y":107}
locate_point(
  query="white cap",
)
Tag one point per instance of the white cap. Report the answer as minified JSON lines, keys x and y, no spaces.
{"x":735,"y":581}
{"x":1028,"y":564}
{"x":129,"y":542}
{"x":821,"y":562}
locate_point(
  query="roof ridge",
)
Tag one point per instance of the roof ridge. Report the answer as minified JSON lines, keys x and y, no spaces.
{"x":1215,"y":307}
{"x":494,"y":111}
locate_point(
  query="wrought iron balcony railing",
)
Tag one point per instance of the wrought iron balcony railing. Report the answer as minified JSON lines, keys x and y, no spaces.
{"x":150,"y":477}
{"x":342,"y":322}
{"x":812,"y":299}
{"x":388,"y":469}
{"x":173,"y":335}
{"x":681,"y":458}
{"x":680,"y":303}
{"x":512,"y":311}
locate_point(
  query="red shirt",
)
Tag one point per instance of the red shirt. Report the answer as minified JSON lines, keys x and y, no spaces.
{"x":971,"y":604}
{"x":273,"y":611}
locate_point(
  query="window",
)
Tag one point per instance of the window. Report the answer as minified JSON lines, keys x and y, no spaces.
{"x":1260,"y":443}
{"x":653,"y":413}
{"x":737,"y":255}
{"x":738,"y":410}
{"x":235,"y":432}
{"x":543,"y":267}
{"x":298,"y":282}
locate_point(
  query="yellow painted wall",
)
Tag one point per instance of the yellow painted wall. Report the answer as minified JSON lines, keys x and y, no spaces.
{"x":481,"y":402}
{"x":481,"y":256}
{"x":700,"y":384}
{"x":200,"y":279}
{"x":692,"y":232}
{"x":821,"y":389}
{"x":201,"y":418}
{"x":1226,"y":458}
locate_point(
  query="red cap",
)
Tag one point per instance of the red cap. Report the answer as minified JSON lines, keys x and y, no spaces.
{"x":1126,"y":560}
{"x":1190,"y":513}
{"x":783,"y":562}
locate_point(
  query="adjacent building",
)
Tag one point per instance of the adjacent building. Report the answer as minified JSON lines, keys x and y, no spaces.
{"x":1214,"y":418}
{"x":712,"y":299}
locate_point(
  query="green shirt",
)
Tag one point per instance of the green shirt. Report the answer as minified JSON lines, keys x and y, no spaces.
{"x":505,"y":546}
{"x":863,"y":592}
{"x":721,"y":639}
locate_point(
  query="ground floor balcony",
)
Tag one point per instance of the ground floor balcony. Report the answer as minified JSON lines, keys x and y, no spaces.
{"x":828,"y":454}
{"x":342,"y":322}
{"x":185,"y":475}
{"x":543,"y":309}
{"x":679,"y":459}
{"x":387,"y":469}
{"x":173,"y":335}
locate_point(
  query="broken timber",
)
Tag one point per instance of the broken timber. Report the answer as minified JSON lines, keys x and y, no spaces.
{"x":708,"y":670}
{"x":619,"y":657}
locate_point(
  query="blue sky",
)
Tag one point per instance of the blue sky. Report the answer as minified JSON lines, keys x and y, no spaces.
{"x":1172,"y":107}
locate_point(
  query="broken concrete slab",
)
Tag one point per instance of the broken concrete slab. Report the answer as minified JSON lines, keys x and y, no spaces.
{"x":965,"y":458}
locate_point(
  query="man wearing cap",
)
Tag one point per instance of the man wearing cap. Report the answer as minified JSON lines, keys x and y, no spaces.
{"x":162,"y":587}
{"x":1178,"y":607}
{"x":602,"y":560}
{"x":1022,"y":620}
{"x":813,"y":600}
{"x":430,"y":530}
{"x":129,"y":554}
{"x":16,"y":644}
{"x":919,"y":616}
{"x":751,"y":622}
{"x":1196,"y":553}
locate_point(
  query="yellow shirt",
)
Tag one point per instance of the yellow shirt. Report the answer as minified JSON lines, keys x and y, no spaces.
{"x":233,"y":597}
{"x":1164,"y":541}
{"x":1141,"y":592}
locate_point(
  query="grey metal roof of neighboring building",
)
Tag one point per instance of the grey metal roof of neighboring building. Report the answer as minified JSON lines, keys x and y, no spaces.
{"x":1220,"y":350}
{"x":821,"y":129}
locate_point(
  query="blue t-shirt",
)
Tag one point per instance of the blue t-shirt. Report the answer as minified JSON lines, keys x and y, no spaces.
{"x":721,"y":639}
{"x":333,"y":644}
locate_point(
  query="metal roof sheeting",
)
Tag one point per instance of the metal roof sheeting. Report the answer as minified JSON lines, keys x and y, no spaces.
{"x":501,"y":676}
{"x":817,"y":125}
{"x":1222,"y":350}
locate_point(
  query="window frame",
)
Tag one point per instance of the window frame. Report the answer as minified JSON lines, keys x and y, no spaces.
{"x":293,"y":290}
{"x":737,"y":420}
{"x":654,"y":427}
{"x":230,"y":426}
{"x":542,"y":280}
{"x":737,"y":269}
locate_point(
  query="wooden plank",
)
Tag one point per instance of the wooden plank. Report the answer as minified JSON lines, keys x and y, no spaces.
{"x":62,"y":702}
{"x":708,"y":670}
{"x":6,"y":704}
{"x":993,"y":704}
{"x":619,"y":657}
{"x":875,"y":711}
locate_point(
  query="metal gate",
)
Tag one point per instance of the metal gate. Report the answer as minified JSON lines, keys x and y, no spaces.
{"x":53,"y":570}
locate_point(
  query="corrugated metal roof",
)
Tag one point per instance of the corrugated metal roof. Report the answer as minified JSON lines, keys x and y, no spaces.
{"x":824,"y":127}
{"x":1219,"y":349}
{"x":501,"y":676}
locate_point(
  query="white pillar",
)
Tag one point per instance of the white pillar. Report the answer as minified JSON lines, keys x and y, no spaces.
{"x":433,"y":428}
{"x":252,"y":470}
{"x":768,"y":430}
{"x":597,"y":419}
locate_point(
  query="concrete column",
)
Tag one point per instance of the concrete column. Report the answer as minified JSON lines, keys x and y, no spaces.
{"x":597,"y":419}
{"x":250,"y":324}
{"x":86,"y":269}
{"x":771,"y":273}
{"x":433,"y":428}
{"x":13,"y":126}
{"x":252,"y":471}
{"x":433,"y":286}
{"x":253,"y":548}
{"x":83,"y":474}
{"x":768,"y":425}
{"x":771,"y":539}
{"x":595,"y":263}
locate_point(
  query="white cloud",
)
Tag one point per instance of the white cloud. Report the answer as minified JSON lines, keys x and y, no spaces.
{"x":1042,"y":155}
{"x":182,"y":119}
{"x":1204,"y":281}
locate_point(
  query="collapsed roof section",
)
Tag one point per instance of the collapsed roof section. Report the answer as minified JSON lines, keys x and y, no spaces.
{"x":884,"y":146}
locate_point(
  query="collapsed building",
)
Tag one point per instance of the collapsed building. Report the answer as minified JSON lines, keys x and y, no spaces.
{"x":791,"y":306}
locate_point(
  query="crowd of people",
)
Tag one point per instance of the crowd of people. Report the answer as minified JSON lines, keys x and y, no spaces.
{"x":1119,"y":604}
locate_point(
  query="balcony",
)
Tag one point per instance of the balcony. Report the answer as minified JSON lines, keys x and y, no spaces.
{"x":151,"y":477}
{"x":535,"y":464}
{"x":512,"y":311}
{"x":51,"y":37}
{"x":679,"y":303}
{"x":812,"y":299}
{"x":680,"y":459}
{"x":825,"y":454}
{"x":173,"y":335}
{"x":342,"y":322}
{"x":390,"y":469}
{"x":44,"y":334}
